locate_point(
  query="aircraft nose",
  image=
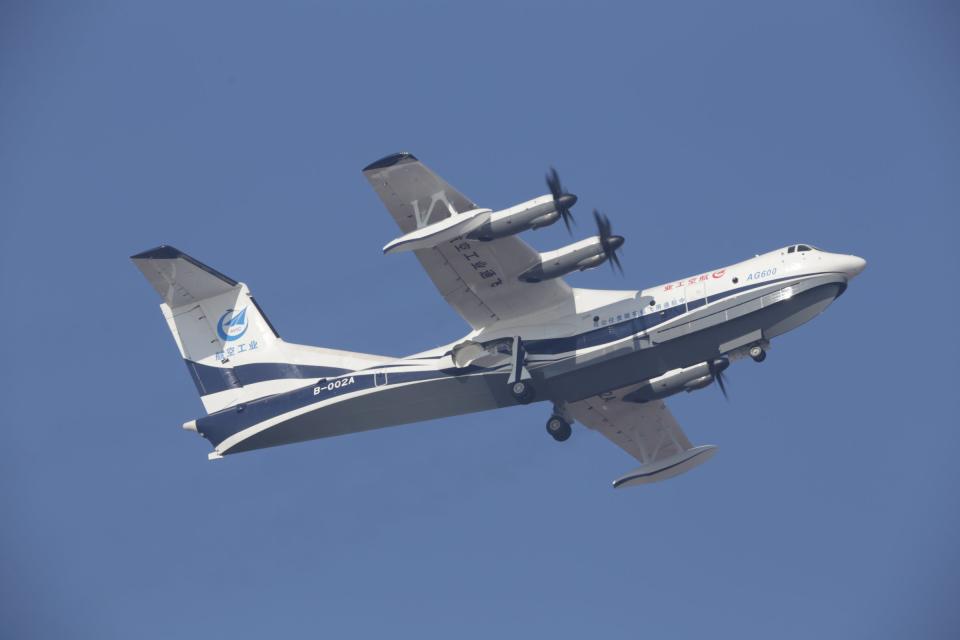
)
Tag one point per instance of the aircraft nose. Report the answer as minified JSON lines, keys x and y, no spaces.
{"x":853,"y":265}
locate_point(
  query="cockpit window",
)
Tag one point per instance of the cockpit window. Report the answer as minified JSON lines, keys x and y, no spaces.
{"x":792,"y":249}
{"x":803,"y":247}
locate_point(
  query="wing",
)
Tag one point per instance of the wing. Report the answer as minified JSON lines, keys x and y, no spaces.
{"x":478,"y":279}
{"x":647,"y":431}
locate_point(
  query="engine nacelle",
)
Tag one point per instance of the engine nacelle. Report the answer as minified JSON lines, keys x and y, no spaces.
{"x":672,"y":382}
{"x":532,"y":214}
{"x":578,"y":256}
{"x":484,"y":224}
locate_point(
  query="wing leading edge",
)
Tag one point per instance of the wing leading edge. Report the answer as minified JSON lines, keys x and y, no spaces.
{"x":478,"y":279}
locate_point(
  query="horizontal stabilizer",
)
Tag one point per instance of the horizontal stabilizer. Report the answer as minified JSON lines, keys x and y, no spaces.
{"x":666,"y":467}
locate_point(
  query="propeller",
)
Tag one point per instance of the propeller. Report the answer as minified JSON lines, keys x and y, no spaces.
{"x":716,"y":368}
{"x":608,"y":241}
{"x":562,"y":200}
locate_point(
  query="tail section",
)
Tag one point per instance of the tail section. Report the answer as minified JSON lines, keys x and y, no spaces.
{"x":231,"y":349}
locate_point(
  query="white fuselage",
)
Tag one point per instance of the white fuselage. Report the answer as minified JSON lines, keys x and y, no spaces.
{"x":604,"y":340}
{"x":599,"y":308}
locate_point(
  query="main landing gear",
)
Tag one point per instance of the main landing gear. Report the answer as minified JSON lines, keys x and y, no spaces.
{"x":558,"y":428}
{"x":758,"y":353}
{"x":521,"y":388}
{"x":522,"y":391}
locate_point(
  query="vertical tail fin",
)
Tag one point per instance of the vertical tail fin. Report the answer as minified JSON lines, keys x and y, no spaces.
{"x":232,"y":350}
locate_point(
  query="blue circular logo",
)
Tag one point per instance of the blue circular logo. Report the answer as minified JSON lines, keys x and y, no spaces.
{"x":232,"y":325}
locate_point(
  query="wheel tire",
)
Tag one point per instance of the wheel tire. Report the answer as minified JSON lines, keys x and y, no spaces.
{"x":761,"y":357}
{"x":522,"y":392}
{"x":558,"y":428}
{"x":756,"y":351}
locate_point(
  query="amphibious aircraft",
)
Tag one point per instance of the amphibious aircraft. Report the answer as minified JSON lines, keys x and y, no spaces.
{"x":606,"y":359}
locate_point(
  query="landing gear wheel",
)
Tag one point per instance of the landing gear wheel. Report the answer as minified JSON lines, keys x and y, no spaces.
{"x":757,"y":353}
{"x":558,"y":428}
{"x":522,"y":391}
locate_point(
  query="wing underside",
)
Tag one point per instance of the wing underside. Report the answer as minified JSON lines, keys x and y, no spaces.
{"x":478,"y":279}
{"x":647,"y":431}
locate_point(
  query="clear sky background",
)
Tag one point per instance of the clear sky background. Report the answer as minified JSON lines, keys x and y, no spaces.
{"x":707,"y":131}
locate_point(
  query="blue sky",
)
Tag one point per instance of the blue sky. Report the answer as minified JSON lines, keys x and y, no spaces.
{"x":707,"y":131}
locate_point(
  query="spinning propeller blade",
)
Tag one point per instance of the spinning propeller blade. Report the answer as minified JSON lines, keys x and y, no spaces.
{"x":608,"y":241}
{"x":561,"y":199}
{"x":716,"y":370}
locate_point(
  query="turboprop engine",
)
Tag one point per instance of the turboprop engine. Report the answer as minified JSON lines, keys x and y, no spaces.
{"x":687,"y":379}
{"x":532,"y":214}
{"x":578,"y":256}
{"x":484,"y":224}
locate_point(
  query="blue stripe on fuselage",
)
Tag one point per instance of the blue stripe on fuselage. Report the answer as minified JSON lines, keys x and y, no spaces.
{"x":631,"y":326}
{"x":209,"y":379}
{"x":220,"y":425}
{"x":215,"y":379}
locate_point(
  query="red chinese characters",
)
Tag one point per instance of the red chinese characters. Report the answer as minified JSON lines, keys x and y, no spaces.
{"x":704,"y":277}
